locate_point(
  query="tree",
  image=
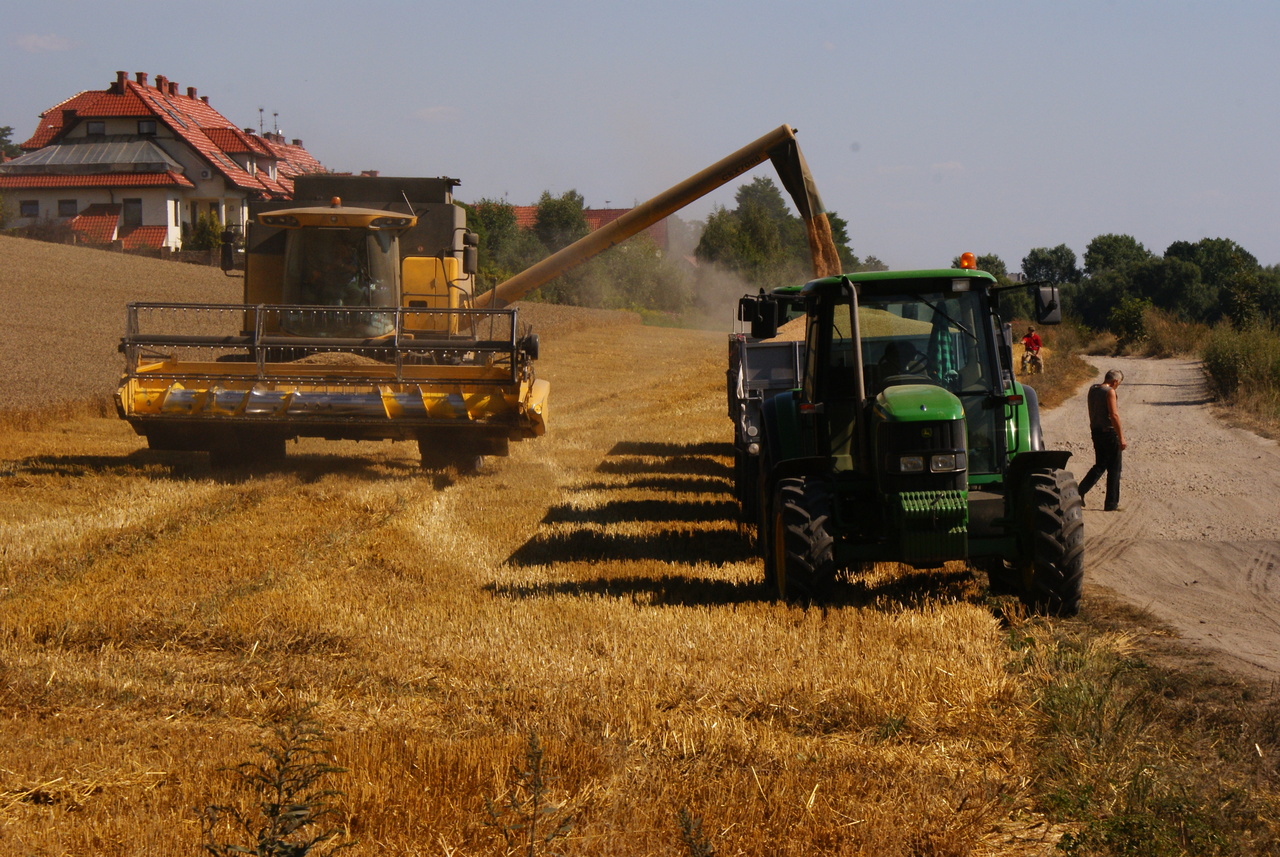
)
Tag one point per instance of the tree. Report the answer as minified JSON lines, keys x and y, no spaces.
{"x":8,"y":148}
{"x":206,"y":235}
{"x":1128,"y":320}
{"x":1176,"y":286}
{"x":1269,"y":292}
{"x":1217,"y":258}
{"x":505,"y":248}
{"x":840,"y":235}
{"x":1051,"y":265}
{"x":640,"y":276}
{"x":1113,"y":253}
{"x":1092,"y":299}
{"x":761,"y":240}
{"x":1242,"y":298}
{"x":560,"y":220}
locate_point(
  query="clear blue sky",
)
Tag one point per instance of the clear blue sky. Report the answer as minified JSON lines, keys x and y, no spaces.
{"x":932,"y":127}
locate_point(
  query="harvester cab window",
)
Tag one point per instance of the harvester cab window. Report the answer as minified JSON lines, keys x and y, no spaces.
{"x":341,"y":268}
{"x":336,"y":269}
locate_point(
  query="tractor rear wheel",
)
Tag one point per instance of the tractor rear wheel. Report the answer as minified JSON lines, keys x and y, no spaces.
{"x":801,"y":547}
{"x":1051,"y":543}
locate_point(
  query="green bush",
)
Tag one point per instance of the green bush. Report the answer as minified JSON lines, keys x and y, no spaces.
{"x":206,"y":235}
{"x":1128,"y":320}
{"x":1170,"y":336}
{"x":1245,"y":361}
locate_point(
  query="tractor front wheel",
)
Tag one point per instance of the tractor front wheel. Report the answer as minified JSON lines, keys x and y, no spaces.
{"x":801,"y":549}
{"x":1051,"y":543}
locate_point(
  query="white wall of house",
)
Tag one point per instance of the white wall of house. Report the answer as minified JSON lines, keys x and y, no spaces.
{"x":159,"y":206}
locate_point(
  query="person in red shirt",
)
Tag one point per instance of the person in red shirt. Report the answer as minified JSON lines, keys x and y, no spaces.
{"x":1030,"y":350}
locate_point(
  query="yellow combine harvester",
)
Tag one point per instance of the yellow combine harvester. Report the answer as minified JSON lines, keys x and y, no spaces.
{"x":359,"y":322}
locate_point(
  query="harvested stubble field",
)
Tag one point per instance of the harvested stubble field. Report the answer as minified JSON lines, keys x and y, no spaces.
{"x":591,"y":592}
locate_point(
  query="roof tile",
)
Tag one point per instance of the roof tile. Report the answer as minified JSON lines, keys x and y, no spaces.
{"x":97,"y":223}
{"x":30,"y":182}
{"x":144,"y":237}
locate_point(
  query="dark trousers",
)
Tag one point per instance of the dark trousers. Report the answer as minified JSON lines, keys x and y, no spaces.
{"x":1106,"y":459}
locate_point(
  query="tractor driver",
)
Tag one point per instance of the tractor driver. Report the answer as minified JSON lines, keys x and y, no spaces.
{"x":900,"y":358}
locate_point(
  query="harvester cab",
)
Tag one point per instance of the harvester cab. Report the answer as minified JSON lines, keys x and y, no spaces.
{"x":907,"y":438}
{"x":339,"y":257}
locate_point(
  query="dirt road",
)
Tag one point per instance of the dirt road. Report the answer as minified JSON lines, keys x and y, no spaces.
{"x":1197,"y":540}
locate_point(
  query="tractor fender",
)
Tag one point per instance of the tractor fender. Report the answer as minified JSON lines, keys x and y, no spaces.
{"x":1023,"y":430}
{"x":1036,"y":435}
{"x":780,"y":421}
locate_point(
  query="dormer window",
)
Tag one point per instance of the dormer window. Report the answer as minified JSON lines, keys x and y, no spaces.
{"x":95,"y":128}
{"x":147,"y":127}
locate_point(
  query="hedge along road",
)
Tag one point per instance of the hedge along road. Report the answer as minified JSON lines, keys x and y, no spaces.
{"x":1197,"y":539}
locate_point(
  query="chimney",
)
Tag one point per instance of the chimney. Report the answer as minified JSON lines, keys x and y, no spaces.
{"x":297,"y":143}
{"x":161,"y":83}
{"x":191,"y":93}
{"x":122,"y":77}
{"x":205,"y":99}
{"x":141,"y":77}
{"x":173,"y":88}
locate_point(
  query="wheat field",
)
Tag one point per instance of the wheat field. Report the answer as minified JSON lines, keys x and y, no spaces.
{"x":590,"y":598}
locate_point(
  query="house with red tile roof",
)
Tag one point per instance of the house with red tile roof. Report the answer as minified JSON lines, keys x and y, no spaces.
{"x":137,"y":163}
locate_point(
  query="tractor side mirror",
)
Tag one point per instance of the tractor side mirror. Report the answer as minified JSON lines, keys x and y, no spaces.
{"x":765,"y":323}
{"x":747,"y":309}
{"x":1048,"y":307}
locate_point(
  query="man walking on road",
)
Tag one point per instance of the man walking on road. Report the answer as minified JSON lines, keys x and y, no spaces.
{"x":1108,"y":439}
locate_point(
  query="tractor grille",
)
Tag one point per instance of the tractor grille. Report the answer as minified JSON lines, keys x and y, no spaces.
{"x":895,"y":440}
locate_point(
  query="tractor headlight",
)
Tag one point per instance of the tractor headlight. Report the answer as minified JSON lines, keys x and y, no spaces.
{"x":947,"y":462}
{"x":939,"y":463}
{"x":753,"y":449}
{"x":911,"y":464}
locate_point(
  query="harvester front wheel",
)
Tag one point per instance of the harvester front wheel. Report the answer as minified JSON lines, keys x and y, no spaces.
{"x":801,"y":548}
{"x":466,"y":455}
{"x":1051,"y":542}
{"x":240,"y":450}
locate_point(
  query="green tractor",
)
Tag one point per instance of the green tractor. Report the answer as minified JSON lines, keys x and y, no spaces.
{"x":904,"y":437}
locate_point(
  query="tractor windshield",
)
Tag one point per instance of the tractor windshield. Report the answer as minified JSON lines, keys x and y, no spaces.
{"x":926,"y":339}
{"x":930,"y":338}
{"x":339,"y":267}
